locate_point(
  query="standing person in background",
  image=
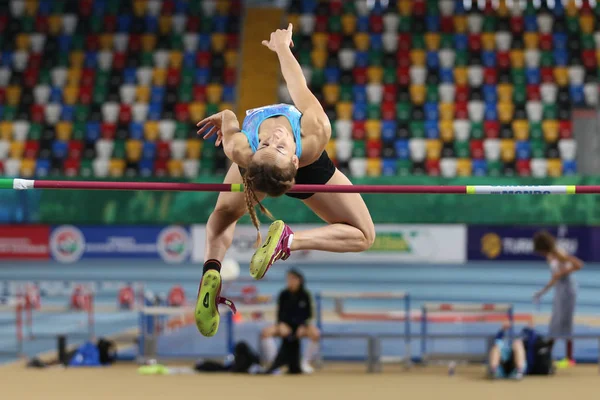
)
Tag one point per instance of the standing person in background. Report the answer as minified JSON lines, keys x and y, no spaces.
{"x":562,"y":266}
{"x":294,"y":314}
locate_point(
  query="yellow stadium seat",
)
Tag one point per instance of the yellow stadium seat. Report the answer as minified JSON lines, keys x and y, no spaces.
{"x":148,"y":42}
{"x":293,"y":19}
{"x":142,"y":94}
{"x":219,"y":42}
{"x":319,"y":40}
{"x":55,"y":24}
{"x":460,"y":23}
{"x":405,"y":7}
{"x":330,"y":148}
{"x":76,"y":59}
{"x":361,"y":41}
{"x":193,"y":149}
{"x":550,"y":129}
{"x":488,"y":41}
{"x":16,"y":149}
{"x":116,"y":168}
{"x":13,"y":95}
{"x":532,"y":40}
{"x":506,"y":111}
{"x":165,"y":23}
{"x":214,"y":92}
{"x":159,"y":76}
{"x":64,"y":130}
{"x":432,"y":41}
{"x":223,"y":7}
{"x":521,"y":129}
{"x":375,"y":74}
{"x":319,"y":58}
{"x":27,"y":167}
{"x":106,"y":41}
{"x":571,"y":8}
{"x":598,"y":56}
{"x":31,"y":7}
{"x":348,"y":24}
{"x":374,"y":167}
{"x":554,"y":166}
{"x":139,"y":7}
{"x":446,"y":131}
{"x":6,"y":128}
{"x":505,"y":92}
{"x":446,"y":111}
{"x":433,"y":148}
{"x":464,"y":167}
{"x":517,"y":58}
{"x":418,"y":57}
{"x":175,"y":168}
{"x":22,"y":41}
{"x":561,"y":76}
{"x":507,"y":150}
{"x":586,"y":22}
{"x":197,"y":111}
{"x":175,"y":59}
{"x":344,"y":110}
{"x":133,"y":150}
{"x":461,"y":76}
{"x":73,"y":76}
{"x":231,"y":58}
{"x":418,"y":94}
{"x":503,"y":10}
{"x":71,"y":94}
{"x":331,"y":93}
{"x":373,"y":128}
{"x":151,"y":131}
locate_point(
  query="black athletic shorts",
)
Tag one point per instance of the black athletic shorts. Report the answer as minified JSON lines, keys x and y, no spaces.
{"x":317,"y":173}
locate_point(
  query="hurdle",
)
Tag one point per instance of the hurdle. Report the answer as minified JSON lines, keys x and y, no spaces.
{"x":374,"y":358}
{"x":28,"y":184}
{"x":480,"y":313}
{"x":14,"y":305}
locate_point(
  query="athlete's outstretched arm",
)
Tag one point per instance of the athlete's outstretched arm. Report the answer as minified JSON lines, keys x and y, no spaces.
{"x":227,"y":128}
{"x":303,"y":98}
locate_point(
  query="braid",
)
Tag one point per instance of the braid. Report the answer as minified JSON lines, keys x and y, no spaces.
{"x":250,"y":196}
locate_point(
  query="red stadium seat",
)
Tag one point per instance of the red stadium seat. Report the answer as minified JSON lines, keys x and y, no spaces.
{"x":492,"y":129}
{"x":135,"y":42}
{"x":565,"y":129}
{"x":75,"y":149}
{"x":533,"y":93}
{"x":119,"y":60}
{"x":336,"y":7}
{"x":403,"y":75}
{"x":517,"y":24}
{"x":589,"y":59}
{"x":160,"y":167}
{"x":374,"y":147}
{"x":32,"y":147}
{"x":182,"y":112}
{"x":36,"y":113}
{"x":545,"y":42}
{"x":125,"y":114}
{"x":321,"y":22}
{"x":490,"y":76}
{"x":404,"y":41}
{"x":87,"y":77}
{"x":475,"y":42}
{"x":388,"y":111}
{"x":447,"y":24}
{"x":461,"y":110}
{"x":108,"y":130}
{"x":523,"y":167}
{"x":432,"y":166}
{"x":85,"y":94}
{"x":359,"y":130}
{"x":92,"y":42}
{"x":71,"y":167}
{"x":110,"y":23}
{"x":476,"y":147}
{"x":334,"y":42}
{"x":193,"y":23}
{"x":360,"y":76}
{"x":403,"y":58}
{"x":376,"y":23}
{"x":232,"y":41}
{"x":547,"y":74}
{"x":173,"y":77}
{"x":35,"y":60}
{"x":419,"y":7}
{"x":390,"y":92}
{"x":461,"y":95}
{"x":41,"y":23}
{"x":203,"y":59}
{"x":199,"y":93}
{"x":503,"y":59}
{"x":163,"y":150}
{"x":30,"y":77}
{"x":230,"y":76}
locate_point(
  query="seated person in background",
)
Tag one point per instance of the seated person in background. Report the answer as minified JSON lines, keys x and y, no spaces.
{"x":507,"y":357}
{"x":294,"y":312}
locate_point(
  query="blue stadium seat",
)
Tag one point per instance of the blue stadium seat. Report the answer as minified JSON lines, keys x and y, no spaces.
{"x":203,"y":76}
{"x":149,"y":151}
{"x":489,"y":93}
{"x":523,"y":150}
{"x":388,"y":131}
{"x":308,"y":6}
{"x":459,"y":8}
{"x":389,"y":167}
{"x":189,"y":60}
{"x":64,"y":43}
{"x":362,"y":24}
{"x":432,"y":23}
{"x":98,"y":10}
{"x":569,"y":167}
{"x":362,"y":59}
{"x":402,"y":149}
{"x":530,"y":22}
{"x":42,"y":167}
{"x":491,"y":111}
{"x":376,"y":42}
{"x":359,"y":93}
{"x":431,"y":111}
{"x":59,"y":149}
{"x":45,"y":6}
{"x":533,"y":76}
{"x":220,"y":23}
{"x":55,"y":95}
{"x":228,"y":94}
{"x":92,"y":131}
{"x":157,"y":94}
{"x":577,"y":95}
{"x":124,"y":23}
{"x":359,"y":112}
{"x":129,"y":76}
{"x":181,"y":6}
{"x":136,"y":130}
{"x":7,"y":58}
{"x":151,"y":23}
{"x":446,"y":75}
{"x":332,"y":75}
{"x":90,"y":60}
{"x":155,"y":111}
{"x":67,"y":113}
{"x":433,"y":60}
{"x":461,"y":42}
{"x":561,"y":57}
{"x":204,"y":42}
{"x":488,"y":58}
{"x":560,"y":41}
{"x":146,"y":166}
{"x":479,"y":167}
{"x":432,"y":129}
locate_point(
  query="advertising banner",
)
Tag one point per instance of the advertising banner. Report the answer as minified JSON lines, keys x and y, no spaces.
{"x":24,"y":242}
{"x":394,"y":244}
{"x":69,"y":243}
{"x":505,"y":243}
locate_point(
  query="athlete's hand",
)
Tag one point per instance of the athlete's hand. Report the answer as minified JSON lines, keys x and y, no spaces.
{"x":280,"y":39}
{"x":210,"y":126}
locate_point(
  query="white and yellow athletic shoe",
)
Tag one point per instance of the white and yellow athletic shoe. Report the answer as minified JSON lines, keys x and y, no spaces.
{"x":276,"y":246}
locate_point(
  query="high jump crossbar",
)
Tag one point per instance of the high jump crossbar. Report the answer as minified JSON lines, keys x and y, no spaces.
{"x":27,"y":184}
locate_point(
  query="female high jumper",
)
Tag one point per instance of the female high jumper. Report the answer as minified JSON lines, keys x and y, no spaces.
{"x":277,"y":147}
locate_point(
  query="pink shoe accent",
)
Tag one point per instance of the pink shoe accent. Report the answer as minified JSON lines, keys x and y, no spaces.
{"x":283,"y":250}
{"x":221,"y":300}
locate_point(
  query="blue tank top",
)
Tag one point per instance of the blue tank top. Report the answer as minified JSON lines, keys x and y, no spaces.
{"x":256,"y":116}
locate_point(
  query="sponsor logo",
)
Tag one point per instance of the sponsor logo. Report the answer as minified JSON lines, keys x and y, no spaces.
{"x":67,"y":244}
{"x":173,"y":244}
{"x":491,"y":245}
{"x":525,"y":192}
